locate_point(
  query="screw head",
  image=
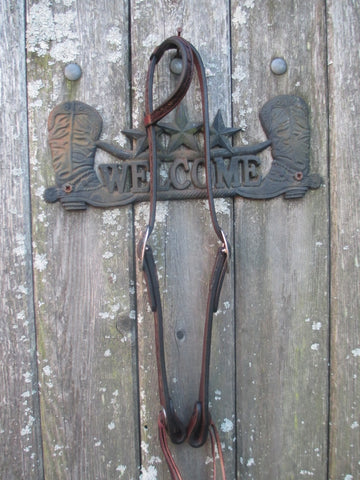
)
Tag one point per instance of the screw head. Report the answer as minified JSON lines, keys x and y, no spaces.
{"x":278,"y":66}
{"x":176,"y":65}
{"x":72,"y":71}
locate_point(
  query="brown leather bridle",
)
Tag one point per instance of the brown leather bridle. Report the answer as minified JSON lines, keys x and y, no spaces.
{"x":200,"y":424}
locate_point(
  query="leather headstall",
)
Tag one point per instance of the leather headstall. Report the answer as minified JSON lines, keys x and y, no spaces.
{"x":200,"y":424}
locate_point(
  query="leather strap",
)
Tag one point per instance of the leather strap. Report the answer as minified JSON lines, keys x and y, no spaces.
{"x":200,"y":423}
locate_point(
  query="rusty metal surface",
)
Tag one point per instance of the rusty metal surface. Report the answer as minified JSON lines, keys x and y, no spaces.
{"x":74,"y":137}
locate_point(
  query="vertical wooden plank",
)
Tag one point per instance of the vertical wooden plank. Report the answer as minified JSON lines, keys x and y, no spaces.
{"x":185,"y":245}
{"x":281,"y":249}
{"x":84,"y":289}
{"x":344,"y":71}
{"x":20,"y":441}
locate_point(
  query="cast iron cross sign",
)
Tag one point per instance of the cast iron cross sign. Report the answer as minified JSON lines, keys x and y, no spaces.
{"x":75,"y":129}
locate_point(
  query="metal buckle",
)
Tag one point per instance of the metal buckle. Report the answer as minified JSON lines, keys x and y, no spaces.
{"x":163,"y":412}
{"x":225,"y":249}
{"x":144,"y":245}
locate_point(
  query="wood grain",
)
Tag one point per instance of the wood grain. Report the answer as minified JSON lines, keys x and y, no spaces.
{"x":84,"y":289}
{"x":20,"y":441}
{"x":78,"y":379}
{"x":185,"y":245}
{"x":344,"y":71}
{"x":281,"y":250}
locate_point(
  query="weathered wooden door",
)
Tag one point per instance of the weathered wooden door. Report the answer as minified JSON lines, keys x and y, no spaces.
{"x":78,"y":375}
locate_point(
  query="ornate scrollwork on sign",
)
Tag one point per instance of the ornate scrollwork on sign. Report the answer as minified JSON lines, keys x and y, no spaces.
{"x":75,"y":129}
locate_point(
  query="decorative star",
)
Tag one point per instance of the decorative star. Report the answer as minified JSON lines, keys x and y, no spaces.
{"x":219,"y":133}
{"x":181,"y":131}
{"x":140,"y":138}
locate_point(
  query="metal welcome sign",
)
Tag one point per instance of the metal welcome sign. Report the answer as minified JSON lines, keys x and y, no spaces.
{"x":74,"y":136}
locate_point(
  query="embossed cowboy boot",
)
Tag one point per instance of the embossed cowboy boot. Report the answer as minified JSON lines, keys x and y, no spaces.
{"x":285,"y":120}
{"x":74,"y":131}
